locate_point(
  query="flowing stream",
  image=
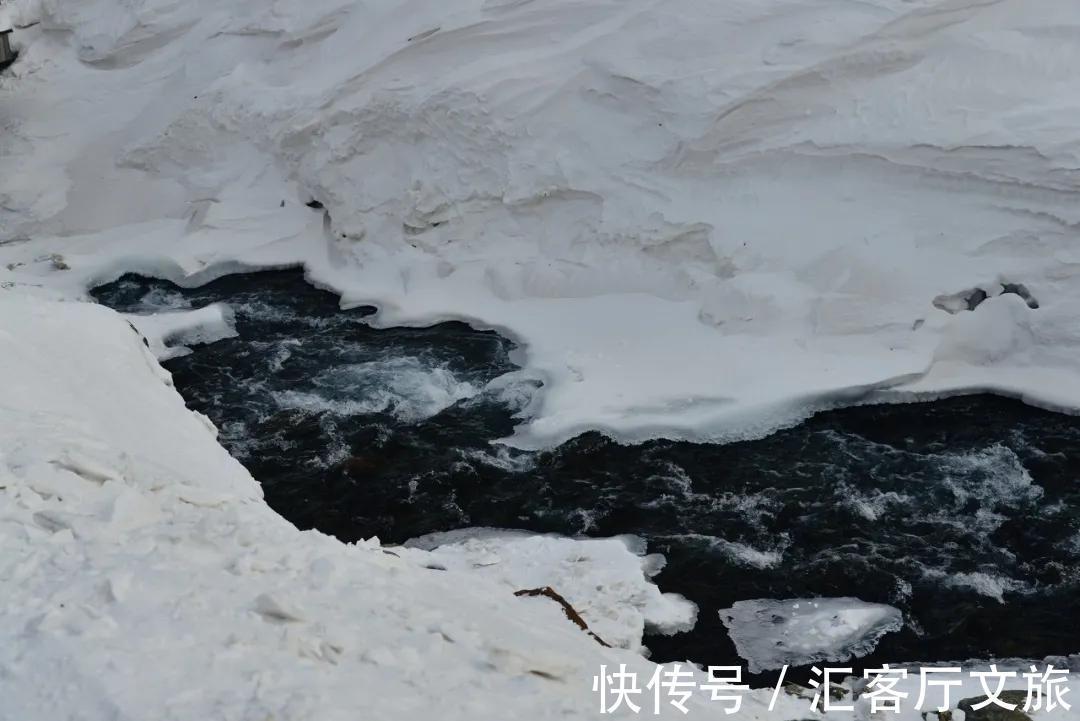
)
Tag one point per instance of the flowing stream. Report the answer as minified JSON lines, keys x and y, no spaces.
{"x":963,"y":513}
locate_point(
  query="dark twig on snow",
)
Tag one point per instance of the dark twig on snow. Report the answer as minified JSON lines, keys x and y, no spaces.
{"x":571,"y":614}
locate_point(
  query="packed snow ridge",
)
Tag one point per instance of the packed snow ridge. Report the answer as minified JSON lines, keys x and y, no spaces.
{"x":700,"y":220}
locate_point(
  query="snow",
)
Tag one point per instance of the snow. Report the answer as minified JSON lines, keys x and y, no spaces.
{"x":699,"y":220}
{"x":142,"y":569}
{"x":604,"y":579}
{"x":768,"y":195}
{"x":770,"y":634}
{"x":168,"y":335}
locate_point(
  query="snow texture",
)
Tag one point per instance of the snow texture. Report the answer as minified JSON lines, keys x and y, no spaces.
{"x":770,"y":634}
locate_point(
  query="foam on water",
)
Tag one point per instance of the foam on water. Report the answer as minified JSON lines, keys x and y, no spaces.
{"x":736,"y":552}
{"x":991,"y":478}
{"x":157,"y":299}
{"x":407,"y":388}
{"x":986,"y":583}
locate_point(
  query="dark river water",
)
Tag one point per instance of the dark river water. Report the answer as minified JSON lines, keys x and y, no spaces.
{"x":963,"y":513}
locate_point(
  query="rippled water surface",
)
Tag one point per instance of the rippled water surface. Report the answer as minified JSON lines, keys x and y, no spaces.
{"x":964,"y":513}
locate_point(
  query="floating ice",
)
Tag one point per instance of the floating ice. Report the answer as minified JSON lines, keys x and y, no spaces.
{"x":770,"y":633}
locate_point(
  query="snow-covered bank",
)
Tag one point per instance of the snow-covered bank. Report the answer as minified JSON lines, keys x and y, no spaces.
{"x":772,"y":198}
{"x":143,"y":574}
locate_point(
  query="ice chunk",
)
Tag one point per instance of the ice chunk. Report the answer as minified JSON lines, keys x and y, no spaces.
{"x":168,"y":335}
{"x":771,"y":633}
